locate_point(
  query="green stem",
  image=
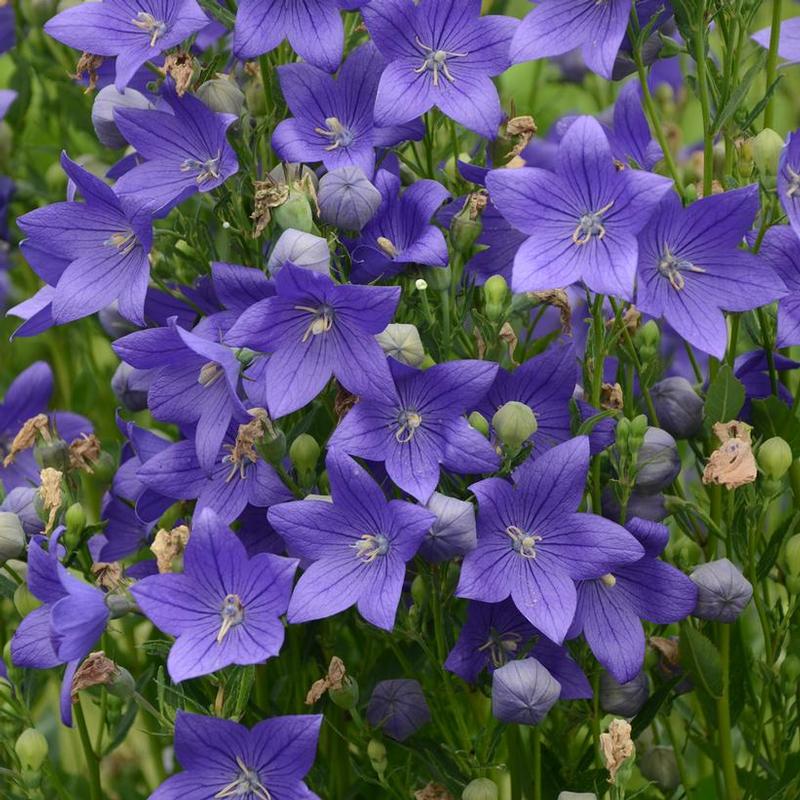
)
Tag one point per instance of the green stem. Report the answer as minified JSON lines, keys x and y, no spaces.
{"x":705,"y":101}
{"x":92,"y":764}
{"x":772,"y":60}
{"x":724,"y":716}
{"x":537,"y":764}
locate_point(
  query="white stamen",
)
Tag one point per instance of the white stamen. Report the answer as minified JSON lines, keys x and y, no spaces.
{"x":409,"y":421}
{"x":149,"y":24}
{"x":589,"y":225}
{"x":231,"y":613}
{"x":523,"y":542}
{"x":436,"y":62}
{"x":370,"y":546}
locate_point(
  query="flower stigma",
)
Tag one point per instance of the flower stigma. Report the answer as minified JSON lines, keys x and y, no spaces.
{"x":589,"y":225}
{"x":206,"y":170}
{"x":231,"y":614}
{"x":523,"y":542}
{"x":408,"y":421}
{"x":608,"y":580}
{"x":209,"y":374}
{"x":321,"y":321}
{"x":671,"y":267}
{"x":501,"y":647}
{"x":124,"y":241}
{"x":794,"y":182}
{"x":149,"y":24}
{"x":370,"y":546}
{"x":337,"y":133}
{"x":246,"y":783}
{"x":436,"y":62}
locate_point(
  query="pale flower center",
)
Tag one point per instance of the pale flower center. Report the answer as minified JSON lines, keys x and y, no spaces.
{"x":370,"y":546}
{"x":206,"y":170}
{"x":337,"y":133}
{"x":231,"y":614}
{"x":590,"y":225}
{"x":149,"y":24}
{"x":246,"y":783}
{"x":408,"y":422}
{"x":436,"y":62}
{"x":321,"y":320}
{"x":794,"y":182}
{"x":501,"y":647}
{"x":124,"y":241}
{"x":671,"y":267}
{"x":522,"y":542}
{"x":209,"y":374}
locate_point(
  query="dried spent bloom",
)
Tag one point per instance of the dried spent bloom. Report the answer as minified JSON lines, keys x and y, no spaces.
{"x":332,"y":680}
{"x":433,"y":791}
{"x":733,"y":463}
{"x":523,"y":692}
{"x":26,"y":437}
{"x":96,"y":670}
{"x":51,"y":494}
{"x":83,"y":452}
{"x":168,"y":546}
{"x":722,"y":591}
{"x":617,"y":747}
{"x":398,"y":707}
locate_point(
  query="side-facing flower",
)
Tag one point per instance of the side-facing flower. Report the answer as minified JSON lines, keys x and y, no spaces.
{"x":315,"y":328}
{"x":224,"y":608}
{"x":90,"y":253}
{"x":135,"y":31}
{"x":358,"y":546}
{"x":196,"y":382}
{"x":691,"y":267}
{"x":424,"y":427}
{"x":313,"y":27}
{"x":401,"y":232}
{"x":781,"y":248}
{"x":333,"y":119}
{"x":533,"y":544}
{"x":221,"y":758}
{"x":555,"y":27}
{"x":610,"y":607}
{"x":183,"y":152}
{"x":441,"y":53}
{"x":582,"y":220}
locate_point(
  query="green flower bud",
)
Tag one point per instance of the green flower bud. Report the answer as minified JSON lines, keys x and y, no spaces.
{"x":746,"y":163}
{"x":402,"y":342}
{"x":479,"y":422}
{"x":791,"y":668}
{"x":480,"y":789}
{"x":31,"y":749}
{"x":638,"y":429}
{"x":274,"y":446}
{"x":495,"y":292}
{"x":514,"y":423}
{"x":669,"y":48}
{"x":648,"y":336}
{"x":295,"y":213}
{"x":767,"y":148}
{"x":690,"y":192}
{"x":324,"y":483}
{"x":75,"y":519}
{"x":438,"y":278}
{"x":376,"y":751}
{"x":54,"y":454}
{"x":104,"y":467}
{"x":304,"y":454}
{"x":254,"y":97}
{"x":12,"y":536}
{"x":623,"y":434}
{"x":419,"y":591}
{"x":792,"y":555}
{"x":122,"y":684}
{"x":775,"y":457}
{"x":24,"y":601}
{"x":223,"y":96}
{"x":466,"y":226}
{"x":347,"y":696}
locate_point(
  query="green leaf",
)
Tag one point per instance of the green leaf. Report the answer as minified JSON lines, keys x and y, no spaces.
{"x":739,"y":94}
{"x":770,"y":554}
{"x":647,"y":713}
{"x":724,"y":399}
{"x":700,"y":658}
{"x":772,"y":417}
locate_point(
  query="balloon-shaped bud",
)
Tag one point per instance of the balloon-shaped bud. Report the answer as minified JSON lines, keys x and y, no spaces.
{"x":347,"y":199}
{"x":514,"y":423}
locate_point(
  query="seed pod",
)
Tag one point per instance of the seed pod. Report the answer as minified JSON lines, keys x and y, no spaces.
{"x":658,"y":464}
{"x":722,"y":591}
{"x":347,"y":199}
{"x":678,"y":406}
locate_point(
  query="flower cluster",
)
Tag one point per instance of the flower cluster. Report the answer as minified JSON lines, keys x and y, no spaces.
{"x":524,"y":400}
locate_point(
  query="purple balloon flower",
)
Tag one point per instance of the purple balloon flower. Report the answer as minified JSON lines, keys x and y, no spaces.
{"x":788,"y":41}
{"x":89,"y":253}
{"x":221,"y":758}
{"x":609,"y":608}
{"x":582,"y":220}
{"x":533,"y":546}
{"x":441,"y":53}
{"x":135,"y":31}
{"x":453,"y":534}
{"x":358,"y":546}
{"x":196,"y":382}
{"x":27,"y":396}
{"x":224,"y":608}
{"x":398,"y":707}
{"x":555,"y":27}
{"x":496,"y":633}
{"x":691,"y":266}
{"x":333,"y":120}
{"x":184,"y":152}
{"x":780,"y":247}
{"x":313,"y":27}
{"x":523,"y":692}
{"x":424,"y":427}
{"x":315,"y":328}
{"x":400,"y":233}
{"x":239,"y":477}
{"x":788,"y":183}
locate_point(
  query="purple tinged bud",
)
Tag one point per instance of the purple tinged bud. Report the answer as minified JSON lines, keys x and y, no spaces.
{"x":659,"y":765}
{"x":722,"y":591}
{"x":453,"y":534}
{"x":12,"y":536}
{"x":223,"y":96}
{"x":399,"y":707}
{"x":678,"y":406}
{"x":22,"y":501}
{"x":301,"y":249}
{"x":113,"y":323}
{"x":130,"y":386}
{"x":347,"y":199}
{"x":523,"y":692}
{"x":659,"y":462}
{"x":108,"y":99}
{"x":623,"y":699}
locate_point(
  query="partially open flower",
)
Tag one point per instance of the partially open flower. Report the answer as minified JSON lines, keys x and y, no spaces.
{"x":722,"y":591}
{"x":732,"y":464}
